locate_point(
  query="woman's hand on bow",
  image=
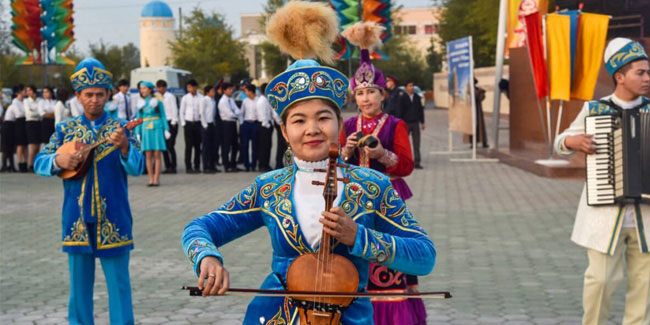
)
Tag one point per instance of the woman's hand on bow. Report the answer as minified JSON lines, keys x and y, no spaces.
{"x":213,"y":278}
{"x":339,"y":225}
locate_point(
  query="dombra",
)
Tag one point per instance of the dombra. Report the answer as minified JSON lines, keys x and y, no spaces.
{"x":85,"y":152}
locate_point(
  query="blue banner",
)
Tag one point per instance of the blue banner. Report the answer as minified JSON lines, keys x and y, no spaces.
{"x":459,"y":64}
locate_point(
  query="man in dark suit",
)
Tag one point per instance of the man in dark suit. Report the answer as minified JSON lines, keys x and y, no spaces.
{"x":413,"y":115}
{"x":396,"y":98}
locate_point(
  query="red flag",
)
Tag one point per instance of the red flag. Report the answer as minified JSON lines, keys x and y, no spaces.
{"x":536,"y":52}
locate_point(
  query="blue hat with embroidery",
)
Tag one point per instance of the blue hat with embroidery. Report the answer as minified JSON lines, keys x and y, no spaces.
{"x":305,"y":30}
{"x":91,"y":73}
{"x":621,"y":51}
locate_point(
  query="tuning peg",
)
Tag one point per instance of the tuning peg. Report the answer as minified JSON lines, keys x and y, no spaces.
{"x":343,"y":165}
{"x":320,"y":170}
{"x":317,"y":183}
{"x":345,"y":180}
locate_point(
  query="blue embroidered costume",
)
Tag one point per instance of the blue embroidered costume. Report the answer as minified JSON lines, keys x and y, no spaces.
{"x":387,"y":234}
{"x":97,"y":219}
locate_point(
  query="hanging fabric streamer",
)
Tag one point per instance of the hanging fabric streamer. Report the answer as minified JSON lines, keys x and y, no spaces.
{"x":592,"y":32}
{"x":558,"y":40}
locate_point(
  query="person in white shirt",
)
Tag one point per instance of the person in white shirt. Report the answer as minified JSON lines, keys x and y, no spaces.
{"x":124,"y":100}
{"x":248,"y":129}
{"x":229,"y":113}
{"x":617,"y":236}
{"x":20,"y":132}
{"x":171,"y":111}
{"x":61,"y":109}
{"x":208,"y":133}
{"x":76,"y":109}
{"x":264,"y":130}
{"x":46,"y":110}
{"x":190,"y":117}
{"x":32,"y":125}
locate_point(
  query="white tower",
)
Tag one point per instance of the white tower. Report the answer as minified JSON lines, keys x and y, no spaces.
{"x":156,"y":31}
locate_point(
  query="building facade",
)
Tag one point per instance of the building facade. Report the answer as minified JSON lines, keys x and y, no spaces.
{"x":156,"y":31}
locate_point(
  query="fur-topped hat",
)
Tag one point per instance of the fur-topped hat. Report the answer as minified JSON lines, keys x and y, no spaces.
{"x":305,"y":30}
{"x":366,"y":35}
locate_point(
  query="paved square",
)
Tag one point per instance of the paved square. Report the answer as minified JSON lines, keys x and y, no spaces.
{"x":502,"y":237}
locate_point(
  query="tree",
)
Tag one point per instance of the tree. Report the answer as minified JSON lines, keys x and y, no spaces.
{"x":207,"y":48}
{"x":476,"y":18}
{"x":119,"y":61}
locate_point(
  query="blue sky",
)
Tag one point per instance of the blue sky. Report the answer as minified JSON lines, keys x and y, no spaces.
{"x":116,"y":21}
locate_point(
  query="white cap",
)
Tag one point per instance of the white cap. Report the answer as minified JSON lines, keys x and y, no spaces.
{"x":614,"y":46}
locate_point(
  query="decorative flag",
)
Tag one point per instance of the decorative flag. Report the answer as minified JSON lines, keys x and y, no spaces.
{"x":592,"y":32}
{"x":536,"y":52}
{"x":574,"y":15}
{"x":558,"y":38}
{"x":517,"y":10}
{"x":348,"y":13}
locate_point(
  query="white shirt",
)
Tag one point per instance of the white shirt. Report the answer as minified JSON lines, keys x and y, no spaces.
{"x":124,"y":104}
{"x":18,"y":110}
{"x":578,"y":127}
{"x":190,"y":108}
{"x":46,"y":106}
{"x":208,"y":111}
{"x":31,"y":109}
{"x":249,"y":110}
{"x":228,"y":110}
{"x":12,"y":111}
{"x":309,"y":200}
{"x":76,"y":109}
{"x":264,"y":111}
{"x":171,"y":108}
{"x":61,"y":112}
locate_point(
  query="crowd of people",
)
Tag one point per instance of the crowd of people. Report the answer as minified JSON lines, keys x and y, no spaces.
{"x":225,"y":125}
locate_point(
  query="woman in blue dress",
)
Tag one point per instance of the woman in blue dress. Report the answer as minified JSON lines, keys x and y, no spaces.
{"x":369,"y":222}
{"x":153,"y":131}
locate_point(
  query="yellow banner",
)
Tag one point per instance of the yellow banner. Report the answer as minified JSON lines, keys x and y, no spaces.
{"x":558,"y":40}
{"x":592,"y":32}
{"x":517,"y":10}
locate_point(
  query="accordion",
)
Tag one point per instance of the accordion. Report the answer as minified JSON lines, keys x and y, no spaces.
{"x":619,"y":170}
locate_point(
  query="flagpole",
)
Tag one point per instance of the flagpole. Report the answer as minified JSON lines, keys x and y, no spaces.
{"x":551,"y":161}
{"x":498,"y":73}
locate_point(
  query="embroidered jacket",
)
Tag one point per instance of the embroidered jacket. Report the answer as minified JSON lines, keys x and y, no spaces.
{"x":387,"y":234}
{"x":101,"y":196}
{"x":598,"y":227}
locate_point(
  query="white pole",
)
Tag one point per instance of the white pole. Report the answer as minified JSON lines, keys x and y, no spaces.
{"x":498,"y":73}
{"x":473,"y":99}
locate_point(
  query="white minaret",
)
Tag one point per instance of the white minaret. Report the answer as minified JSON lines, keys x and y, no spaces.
{"x":156,"y":31}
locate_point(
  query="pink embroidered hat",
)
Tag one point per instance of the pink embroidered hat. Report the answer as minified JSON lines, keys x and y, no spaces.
{"x":366,"y":35}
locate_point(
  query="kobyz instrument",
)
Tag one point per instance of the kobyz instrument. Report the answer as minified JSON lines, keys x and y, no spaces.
{"x":85,"y":152}
{"x":323,"y":271}
{"x":619,"y":171}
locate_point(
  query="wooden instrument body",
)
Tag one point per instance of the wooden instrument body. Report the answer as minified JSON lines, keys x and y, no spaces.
{"x":323,"y":271}
{"x":84,"y":152}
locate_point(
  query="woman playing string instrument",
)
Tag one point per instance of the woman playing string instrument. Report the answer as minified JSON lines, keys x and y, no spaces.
{"x":390,"y":153}
{"x":368,"y":222}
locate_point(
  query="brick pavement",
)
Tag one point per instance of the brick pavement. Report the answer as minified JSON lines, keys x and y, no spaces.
{"x":502,"y":237}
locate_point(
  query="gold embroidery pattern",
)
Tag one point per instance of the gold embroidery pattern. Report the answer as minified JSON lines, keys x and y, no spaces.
{"x":194,"y":249}
{"x":78,"y":235}
{"x":380,"y":248}
{"x":110,"y":234}
{"x":245,"y":199}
